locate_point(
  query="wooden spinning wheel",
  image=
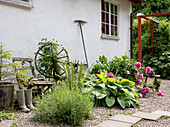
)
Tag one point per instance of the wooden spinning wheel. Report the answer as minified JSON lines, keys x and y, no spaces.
{"x":49,"y":59}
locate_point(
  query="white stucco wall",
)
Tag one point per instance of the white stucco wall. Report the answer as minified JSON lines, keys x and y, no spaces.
{"x":21,"y":29}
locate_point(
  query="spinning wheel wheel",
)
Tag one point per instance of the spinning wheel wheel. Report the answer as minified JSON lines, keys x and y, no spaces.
{"x":49,"y":59}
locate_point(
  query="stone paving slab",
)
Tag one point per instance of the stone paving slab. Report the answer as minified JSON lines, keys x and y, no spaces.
{"x":126,"y":119}
{"x":164,"y":113}
{"x":110,"y":123}
{"x":149,"y":116}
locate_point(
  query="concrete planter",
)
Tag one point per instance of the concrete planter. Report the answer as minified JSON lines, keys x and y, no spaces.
{"x":6,"y":96}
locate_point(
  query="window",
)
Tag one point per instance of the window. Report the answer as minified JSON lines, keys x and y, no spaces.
{"x":109,"y":19}
{"x":26,"y":3}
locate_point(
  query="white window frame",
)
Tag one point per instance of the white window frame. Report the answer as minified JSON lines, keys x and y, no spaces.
{"x":28,"y":4}
{"x":109,"y":36}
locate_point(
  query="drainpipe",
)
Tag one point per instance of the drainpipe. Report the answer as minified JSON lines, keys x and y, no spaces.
{"x":131,"y":29}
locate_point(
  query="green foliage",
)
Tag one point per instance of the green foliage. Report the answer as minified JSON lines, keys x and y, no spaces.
{"x":74,"y":77}
{"x":160,"y":60}
{"x":123,"y":67}
{"x":49,"y":60}
{"x":161,"y":36}
{"x":7,"y":115}
{"x":66,"y":104}
{"x":7,"y":71}
{"x":154,"y":7}
{"x":108,"y":91}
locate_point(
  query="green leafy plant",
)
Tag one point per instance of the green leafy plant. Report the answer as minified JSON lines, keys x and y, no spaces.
{"x":123,"y":67}
{"x":159,"y":61}
{"x":7,"y":115}
{"x":7,"y":71}
{"x":66,"y":104}
{"x":50,"y":58}
{"x":107,"y":91}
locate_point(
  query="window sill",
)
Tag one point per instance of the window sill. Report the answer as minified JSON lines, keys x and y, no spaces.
{"x":18,"y":3}
{"x":110,"y":37}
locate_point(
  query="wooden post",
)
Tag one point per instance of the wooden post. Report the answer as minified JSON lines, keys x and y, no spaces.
{"x":152,"y":37}
{"x":139,"y":40}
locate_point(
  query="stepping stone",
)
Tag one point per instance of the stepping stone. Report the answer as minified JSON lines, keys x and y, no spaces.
{"x":110,"y":123}
{"x":126,"y":119}
{"x":149,"y":116}
{"x":164,"y":113}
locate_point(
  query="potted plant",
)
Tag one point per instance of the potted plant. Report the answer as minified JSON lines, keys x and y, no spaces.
{"x":7,"y":76}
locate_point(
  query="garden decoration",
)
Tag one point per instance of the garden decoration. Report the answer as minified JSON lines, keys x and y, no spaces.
{"x":49,"y":59}
{"x":31,"y":80}
{"x":8,"y":77}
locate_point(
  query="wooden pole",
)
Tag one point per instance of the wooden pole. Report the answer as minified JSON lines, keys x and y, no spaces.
{"x":139,"y":40}
{"x":152,"y":37}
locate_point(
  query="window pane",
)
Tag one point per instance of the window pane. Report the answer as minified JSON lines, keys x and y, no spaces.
{"x":112,"y":30}
{"x":103,"y":28}
{"x":112,"y":19}
{"x":116,"y":31}
{"x":107,"y":17}
{"x":116,"y":9}
{"x":103,"y":5}
{"x":112,"y":8}
{"x":107,"y":29}
{"x":103,"y":17}
{"x":115,"y":20}
{"x":107,"y":6}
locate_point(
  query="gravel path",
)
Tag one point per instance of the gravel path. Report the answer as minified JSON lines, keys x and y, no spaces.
{"x":153,"y":102}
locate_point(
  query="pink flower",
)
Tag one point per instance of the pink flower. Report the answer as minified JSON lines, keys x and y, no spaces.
{"x":100,"y":80}
{"x":137,"y":82}
{"x":138,"y":65}
{"x":144,"y":90}
{"x":110,"y":75}
{"x":161,"y":94}
{"x":148,"y":70}
{"x":142,"y":99}
{"x":140,"y":76}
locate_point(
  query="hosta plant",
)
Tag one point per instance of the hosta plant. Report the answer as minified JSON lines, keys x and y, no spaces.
{"x":109,"y":90}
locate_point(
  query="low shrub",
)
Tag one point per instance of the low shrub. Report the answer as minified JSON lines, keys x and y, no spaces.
{"x":123,"y":67}
{"x":66,"y":104}
{"x":108,"y":90}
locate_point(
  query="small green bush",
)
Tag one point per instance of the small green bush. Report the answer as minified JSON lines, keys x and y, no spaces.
{"x":109,"y":91}
{"x":64,"y":106}
{"x":123,"y":67}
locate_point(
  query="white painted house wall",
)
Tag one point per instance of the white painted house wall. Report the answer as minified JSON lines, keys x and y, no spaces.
{"x":21,"y":28}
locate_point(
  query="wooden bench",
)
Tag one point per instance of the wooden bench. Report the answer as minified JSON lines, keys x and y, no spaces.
{"x":26,"y":63}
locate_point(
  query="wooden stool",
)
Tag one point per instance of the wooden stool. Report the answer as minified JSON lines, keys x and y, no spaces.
{"x":155,"y":79}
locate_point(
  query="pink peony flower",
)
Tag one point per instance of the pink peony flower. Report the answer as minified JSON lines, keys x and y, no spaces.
{"x":140,"y":76}
{"x":138,"y":65}
{"x":110,"y":75}
{"x":148,"y":70}
{"x":144,"y":90}
{"x":161,"y":94}
{"x":137,"y":82}
{"x":100,"y":80}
